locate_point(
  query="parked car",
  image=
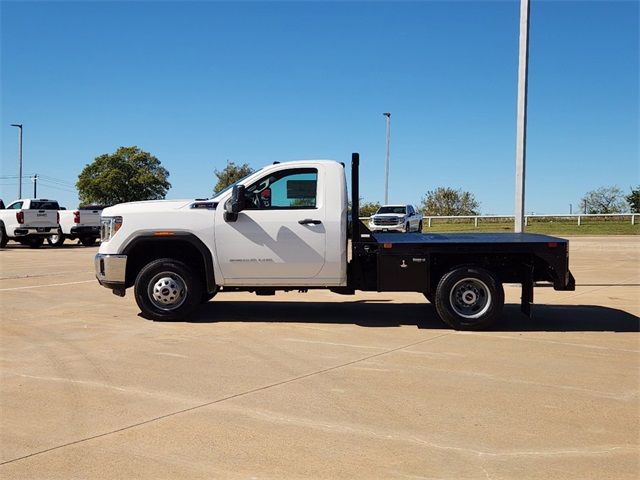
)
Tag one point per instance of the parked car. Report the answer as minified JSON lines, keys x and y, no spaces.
{"x":28,"y":221}
{"x":83,"y":224}
{"x":398,"y":218}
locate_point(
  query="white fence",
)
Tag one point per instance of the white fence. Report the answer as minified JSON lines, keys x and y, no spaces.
{"x":577,"y":216}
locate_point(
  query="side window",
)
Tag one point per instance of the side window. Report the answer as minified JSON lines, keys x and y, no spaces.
{"x":15,"y":206}
{"x":409,"y":210}
{"x":286,"y":189}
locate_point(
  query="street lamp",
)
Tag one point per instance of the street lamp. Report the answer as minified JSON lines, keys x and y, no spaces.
{"x":386,"y":162}
{"x":521,"y":127}
{"x":19,"y":125}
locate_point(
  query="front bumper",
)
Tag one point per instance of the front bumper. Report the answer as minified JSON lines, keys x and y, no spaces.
{"x":387,"y":228}
{"x":111,"y":270}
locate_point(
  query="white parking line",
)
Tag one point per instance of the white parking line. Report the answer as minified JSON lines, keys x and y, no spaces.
{"x":46,"y":285}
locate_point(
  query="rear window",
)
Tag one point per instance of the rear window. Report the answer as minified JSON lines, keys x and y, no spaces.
{"x":44,"y":205}
{"x":91,"y":207}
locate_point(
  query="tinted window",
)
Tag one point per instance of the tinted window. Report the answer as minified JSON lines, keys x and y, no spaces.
{"x":15,"y":206}
{"x":44,"y":205}
{"x":91,"y":207}
{"x":286,"y":189}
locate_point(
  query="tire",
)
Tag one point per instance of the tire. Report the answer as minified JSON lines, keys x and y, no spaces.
{"x":407,"y":228}
{"x":167,"y":290}
{"x":420,"y":227}
{"x":34,"y":242}
{"x":88,"y":241}
{"x":469,"y":298}
{"x":56,"y":240}
{"x":3,"y":237}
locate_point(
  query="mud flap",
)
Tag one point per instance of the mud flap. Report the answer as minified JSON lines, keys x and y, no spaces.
{"x":526,"y":300}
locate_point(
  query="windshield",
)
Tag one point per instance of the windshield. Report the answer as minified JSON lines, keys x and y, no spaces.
{"x":229,"y":187}
{"x":400,"y":210}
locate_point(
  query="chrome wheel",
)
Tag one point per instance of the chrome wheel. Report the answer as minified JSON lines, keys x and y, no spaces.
{"x":470,"y":298}
{"x":167,"y":291}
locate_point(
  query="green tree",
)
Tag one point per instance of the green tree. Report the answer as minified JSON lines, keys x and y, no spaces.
{"x":230,"y":174}
{"x":446,"y":201}
{"x":368,"y":208}
{"x":128,"y":175}
{"x":604,"y":200}
{"x":633,"y":199}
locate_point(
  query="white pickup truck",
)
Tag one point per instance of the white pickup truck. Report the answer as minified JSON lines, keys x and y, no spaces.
{"x":284,"y":227}
{"x":396,"y":218}
{"x":28,"y":221}
{"x":83,"y":224}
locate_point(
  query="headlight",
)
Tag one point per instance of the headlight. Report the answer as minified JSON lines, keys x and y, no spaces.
{"x":108,"y":227}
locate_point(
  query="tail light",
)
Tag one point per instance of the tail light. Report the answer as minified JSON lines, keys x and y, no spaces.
{"x":20,"y":217}
{"x":76,"y":217}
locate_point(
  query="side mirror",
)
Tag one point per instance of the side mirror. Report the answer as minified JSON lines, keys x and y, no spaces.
{"x":235,"y":204}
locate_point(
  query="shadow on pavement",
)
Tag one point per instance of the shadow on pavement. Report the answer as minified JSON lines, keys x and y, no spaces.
{"x":380,"y":313}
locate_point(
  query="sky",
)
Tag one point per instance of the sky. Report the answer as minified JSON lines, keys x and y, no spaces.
{"x":200,"y":83}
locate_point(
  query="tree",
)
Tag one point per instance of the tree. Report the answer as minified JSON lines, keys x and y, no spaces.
{"x":230,"y":174}
{"x":445,"y":201}
{"x":128,"y":175}
{"x":604,"y":200}
{"x":633,"y":199}
{"x":368,"y":208}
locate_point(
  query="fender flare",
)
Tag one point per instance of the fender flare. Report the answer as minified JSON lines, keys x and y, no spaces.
{"x":179,"y":236}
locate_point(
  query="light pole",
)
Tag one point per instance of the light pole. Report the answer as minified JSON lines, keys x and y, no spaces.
{"x":19,"y":125}
{"x":521,"y":129}
{"x":35,"y":185}
{"x":386,"y":162}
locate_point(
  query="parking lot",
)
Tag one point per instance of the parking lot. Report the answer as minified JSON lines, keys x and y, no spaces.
{"x":318,"y":385}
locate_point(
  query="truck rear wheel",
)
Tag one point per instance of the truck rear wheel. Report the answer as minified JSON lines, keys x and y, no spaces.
{"x":469,"y":298}
{"x":88,"y":241}
{"x":34,"y":242}
{"x":56,"y":240}
{"x":167,"y":289}
{"x":3,"y":237}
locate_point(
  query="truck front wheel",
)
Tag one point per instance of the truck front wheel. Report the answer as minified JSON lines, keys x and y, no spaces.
{"x":167,"y":289}
{"x":469,"y":298}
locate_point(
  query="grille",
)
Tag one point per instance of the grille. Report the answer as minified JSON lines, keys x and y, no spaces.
{"x":386,"y":221}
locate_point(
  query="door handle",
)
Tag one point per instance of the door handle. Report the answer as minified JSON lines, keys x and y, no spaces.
{"x":308,"y":221}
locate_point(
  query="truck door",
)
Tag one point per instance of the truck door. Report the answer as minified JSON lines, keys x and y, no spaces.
{"x":280,"y":235}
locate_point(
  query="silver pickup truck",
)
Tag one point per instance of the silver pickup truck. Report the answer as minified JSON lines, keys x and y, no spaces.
{"x":396,"y":218}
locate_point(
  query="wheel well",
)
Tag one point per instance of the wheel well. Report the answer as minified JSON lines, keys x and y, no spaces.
{"x":508,"y":268}
{"x":147,"y":250}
